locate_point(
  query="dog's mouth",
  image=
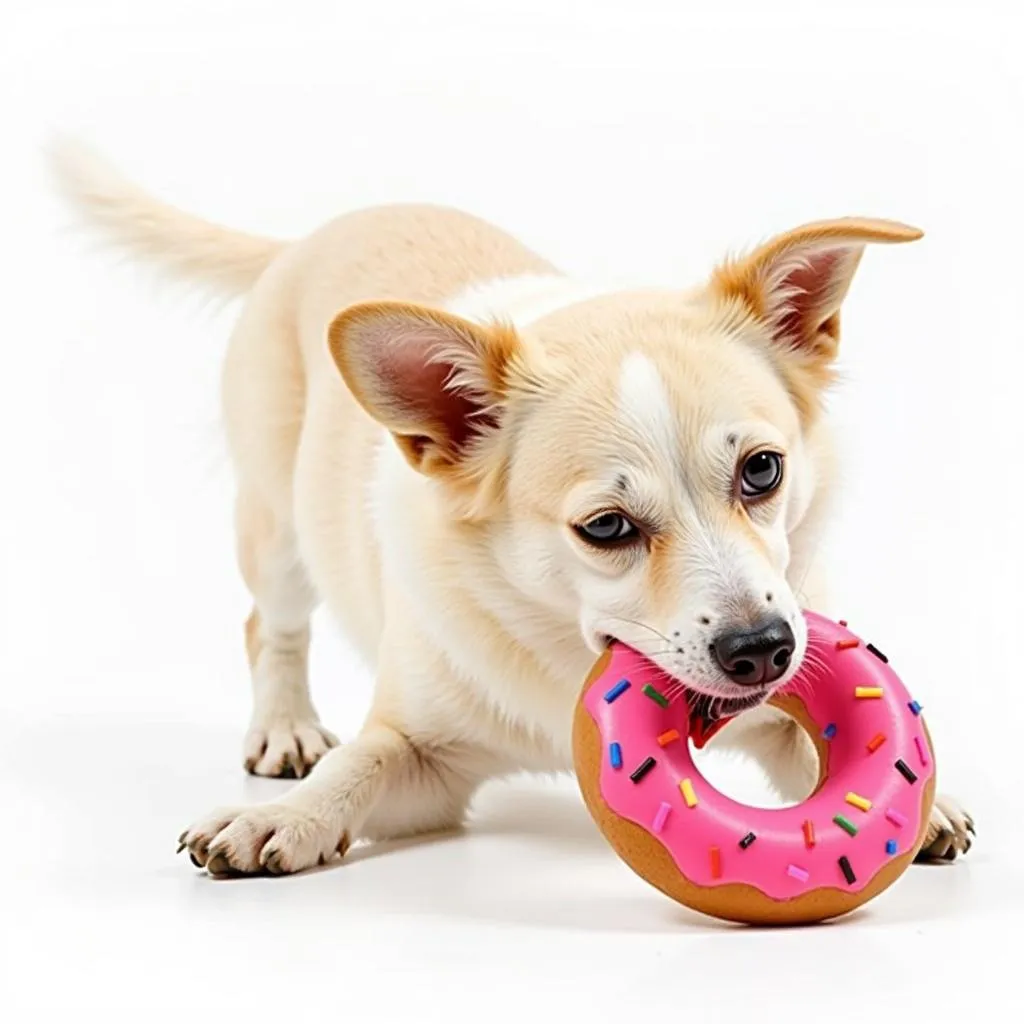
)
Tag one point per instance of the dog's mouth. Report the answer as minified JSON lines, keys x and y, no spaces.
{"x":708,"y":713}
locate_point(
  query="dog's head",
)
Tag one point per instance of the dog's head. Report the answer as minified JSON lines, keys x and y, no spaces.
{"x":638,"y":462}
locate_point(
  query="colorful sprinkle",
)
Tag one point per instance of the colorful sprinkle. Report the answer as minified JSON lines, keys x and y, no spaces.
{"x":905,"y":770}
{"x":615,"y":755}
{"x":922,"y":750}
{"x":890,"y":846}
{"x":830,"y":730}
{"x":747,"y":840}
{"x":617,"y":690}
{"x":845,"y":824}
{"x":914,"y":707}
{"x":642,"y":769}
{"x":895,"y":817}
{"x":877,"y":653}
{"x":686,"y":788}
{"x":867,"y":692}
{"x":875,"y":742}
{"x":809,"y":839}
{"x":855,"y":800}
{"x":847,"y":870}
{"x":843,"y":623}
{"x":668,"y":737}
{"x":661,"y":817}
{"x":845,"y":645}
{"x":658,"y":698}
{"x":798,"y":873}
{"x":715,"y":856}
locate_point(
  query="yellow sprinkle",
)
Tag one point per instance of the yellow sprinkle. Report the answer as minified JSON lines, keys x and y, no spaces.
{"x":686,"y":788}
{"x":858,"y":801}
{"x":868,"y":691}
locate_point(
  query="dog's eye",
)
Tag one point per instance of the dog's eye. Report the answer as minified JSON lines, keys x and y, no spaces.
{"x":761,"y":474}
{"x":609,"y":528}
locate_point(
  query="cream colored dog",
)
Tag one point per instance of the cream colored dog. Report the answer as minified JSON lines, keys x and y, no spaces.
{"x":486,"y":470}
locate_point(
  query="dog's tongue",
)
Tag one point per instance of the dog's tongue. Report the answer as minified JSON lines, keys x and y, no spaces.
{"x":708,"y":715}
{"x":702,"y":729}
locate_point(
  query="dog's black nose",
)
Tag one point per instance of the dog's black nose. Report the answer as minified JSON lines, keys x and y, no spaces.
{"x":757,"y":656}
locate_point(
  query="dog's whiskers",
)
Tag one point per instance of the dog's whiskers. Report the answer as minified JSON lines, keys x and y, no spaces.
{"x":643,"y":625}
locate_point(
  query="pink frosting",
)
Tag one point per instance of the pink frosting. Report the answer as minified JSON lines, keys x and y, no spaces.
{"x":778,"y":862}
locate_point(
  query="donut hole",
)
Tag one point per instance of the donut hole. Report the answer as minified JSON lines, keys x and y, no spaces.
{"x":737,"y":770}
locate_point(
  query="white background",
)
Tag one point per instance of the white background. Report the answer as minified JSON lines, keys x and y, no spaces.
{"x":629,"y":138}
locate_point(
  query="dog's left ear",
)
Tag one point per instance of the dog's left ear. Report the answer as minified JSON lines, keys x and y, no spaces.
{"x":796,"y":282}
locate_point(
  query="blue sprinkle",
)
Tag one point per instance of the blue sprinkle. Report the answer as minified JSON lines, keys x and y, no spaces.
{"x":890,"y":846}
{"x":915,"y":707}
{"x":617,"y":690}
{"x":830,"y":730}
{"x":615,"y":755}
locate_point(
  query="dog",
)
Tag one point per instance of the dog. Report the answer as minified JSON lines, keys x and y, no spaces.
{"x":488,"y":470}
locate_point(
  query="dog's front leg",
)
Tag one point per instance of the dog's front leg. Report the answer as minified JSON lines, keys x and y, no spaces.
{"x":309,"y":824}
{"x":382,"y":785}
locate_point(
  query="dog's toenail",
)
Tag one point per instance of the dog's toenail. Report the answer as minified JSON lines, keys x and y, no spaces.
{"x":218,"y":864}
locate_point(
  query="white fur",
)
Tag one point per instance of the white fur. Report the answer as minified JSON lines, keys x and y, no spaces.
{"x":521,"y":299}
{"x":644,"y":404}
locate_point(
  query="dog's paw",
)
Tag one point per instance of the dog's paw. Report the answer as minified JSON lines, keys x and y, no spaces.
{"x":950,"y":831}
{"x":285,"y":748}
{"x":273,"y":839}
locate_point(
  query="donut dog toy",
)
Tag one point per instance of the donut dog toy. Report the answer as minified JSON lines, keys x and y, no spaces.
{"x":846,"y":843}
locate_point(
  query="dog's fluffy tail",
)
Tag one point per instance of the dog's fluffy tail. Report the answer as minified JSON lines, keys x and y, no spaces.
{"x":181,"y":244}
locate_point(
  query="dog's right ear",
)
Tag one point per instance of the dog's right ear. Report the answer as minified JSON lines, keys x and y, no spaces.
{"x":435,"y":381}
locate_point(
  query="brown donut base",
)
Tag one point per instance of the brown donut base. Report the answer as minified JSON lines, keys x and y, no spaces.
{"x":735,"y":901}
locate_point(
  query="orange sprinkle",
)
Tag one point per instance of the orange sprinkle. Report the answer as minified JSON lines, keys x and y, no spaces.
{"x":876,"y":742}
{"x":845,"y":645}
{"x":716,"y":862}
{"x":668,"y":737}
{"x":809,"y":839}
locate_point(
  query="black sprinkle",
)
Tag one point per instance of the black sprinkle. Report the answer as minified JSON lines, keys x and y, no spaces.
{"x":906,"y":771}
{"x":747,"y":840}
{"x":642,"y":769}
{"x":848,"y":874}
{"x":877,"y":653}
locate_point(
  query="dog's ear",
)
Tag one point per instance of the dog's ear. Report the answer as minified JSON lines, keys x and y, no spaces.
{"x":796,"y":282}
{"x":435,"y":381}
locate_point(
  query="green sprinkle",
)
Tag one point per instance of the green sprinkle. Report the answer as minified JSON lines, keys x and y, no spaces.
{"x":845,"y":824}
{"x":655,"y":696}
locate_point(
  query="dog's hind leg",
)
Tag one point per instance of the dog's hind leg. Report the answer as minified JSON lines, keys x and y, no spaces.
{"x":285,"y":737}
